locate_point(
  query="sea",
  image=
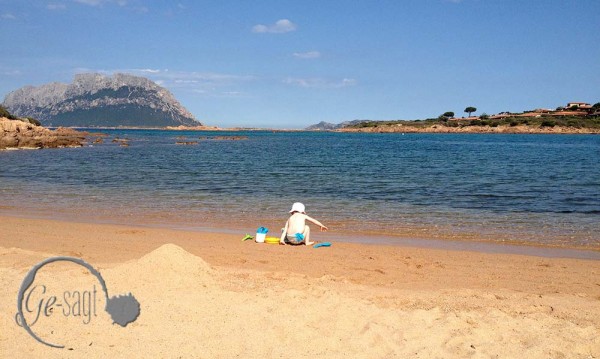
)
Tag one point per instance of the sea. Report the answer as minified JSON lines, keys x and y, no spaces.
{"x":533,"y":189}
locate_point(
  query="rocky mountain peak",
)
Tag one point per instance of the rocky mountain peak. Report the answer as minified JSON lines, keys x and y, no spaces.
{"x":94,"y":99}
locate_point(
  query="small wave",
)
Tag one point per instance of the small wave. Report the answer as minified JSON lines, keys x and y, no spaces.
{"x":593,"y":211}
{"x":507,"y":196}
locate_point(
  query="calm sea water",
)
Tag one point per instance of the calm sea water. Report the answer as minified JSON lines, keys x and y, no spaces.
{"x":542,"y":189}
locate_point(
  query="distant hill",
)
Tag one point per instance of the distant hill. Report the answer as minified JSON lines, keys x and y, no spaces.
{"x":327,"y":126}
{"x":98,"y":100}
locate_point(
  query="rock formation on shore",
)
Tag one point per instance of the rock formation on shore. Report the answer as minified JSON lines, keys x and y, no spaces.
{"x":98,"y":100}
{"x":471,"y":129}
{"x":20,"y":134}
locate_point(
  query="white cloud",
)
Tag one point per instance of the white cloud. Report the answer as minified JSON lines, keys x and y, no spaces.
{"x":101,"y":2}
{"x":90,"y":2}
{"x":319,"y":82}
{"x":307,"y":55}
{"x":56,"y":6}
{"x":152,"y":71}
{"x":11,"y":72}
{"x":8,"y":16}
{"x":281,"y":26}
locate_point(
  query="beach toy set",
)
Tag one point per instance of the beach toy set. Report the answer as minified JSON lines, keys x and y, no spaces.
{"x":261,"y":237}
{"x":261,"y":234}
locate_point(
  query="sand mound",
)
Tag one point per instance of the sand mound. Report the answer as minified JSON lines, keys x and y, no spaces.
{"x":172,"y":258}
{"x":168,"y":268}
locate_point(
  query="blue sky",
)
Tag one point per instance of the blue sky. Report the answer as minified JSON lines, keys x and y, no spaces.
{"x":289,"y":64}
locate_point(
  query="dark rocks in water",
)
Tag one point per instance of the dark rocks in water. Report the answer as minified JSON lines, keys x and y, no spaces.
{"x":98,"y":100}
{"x":123,"y":142}
{"x":230,"y":138}
{"x":186,"y":142}
{"x":224,"y":138}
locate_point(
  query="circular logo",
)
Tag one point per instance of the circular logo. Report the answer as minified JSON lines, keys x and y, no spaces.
{"x":123,"y":309}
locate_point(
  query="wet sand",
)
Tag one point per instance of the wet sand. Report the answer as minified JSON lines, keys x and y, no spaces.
{"x":208,"y":294}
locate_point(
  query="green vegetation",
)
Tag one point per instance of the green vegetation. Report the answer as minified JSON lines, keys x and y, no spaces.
{"x":446,"y":116}
{"x":4,"y":113}
{"x":592,"y":122}
{"x":470,"y":110}
{"x":548,"y":123}
{"x":585,"y":118}
{"x":116,"y":115}
{"x":32,"y":121}
{"x":417,"y":124}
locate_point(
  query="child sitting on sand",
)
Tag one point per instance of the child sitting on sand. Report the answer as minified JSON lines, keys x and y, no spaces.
{"x":296,"y":231}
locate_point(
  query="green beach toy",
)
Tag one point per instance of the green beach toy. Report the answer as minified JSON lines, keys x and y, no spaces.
{"x":247,"y":237}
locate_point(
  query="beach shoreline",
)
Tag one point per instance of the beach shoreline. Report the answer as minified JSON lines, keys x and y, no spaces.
{"x":413,"y":301}
{"x":410,"y":237}
{"x":104,"y":243}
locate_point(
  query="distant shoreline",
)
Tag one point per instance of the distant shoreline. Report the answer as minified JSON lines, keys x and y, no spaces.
{"x":377,"y":129}
{"x":474,"y":129}
{"x":180,"y":128}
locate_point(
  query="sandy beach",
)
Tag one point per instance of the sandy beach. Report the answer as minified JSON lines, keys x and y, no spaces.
{"x":210,"y":295}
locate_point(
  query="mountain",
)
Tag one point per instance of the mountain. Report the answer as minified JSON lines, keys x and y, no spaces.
{"x":98,"y":100}
{"x":327,"y":126}
{"x":322,"y":126}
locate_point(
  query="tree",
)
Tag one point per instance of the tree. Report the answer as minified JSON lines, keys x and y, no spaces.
{"x":484,"y":116}
{"x":4,"y":113}
{"x":596,"y":106}
{"x":445,"y":116}
{"x":32,"y":121}
{"x":470,"y":109}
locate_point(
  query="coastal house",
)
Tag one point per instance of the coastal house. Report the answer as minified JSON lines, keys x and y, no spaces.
{"x":579,"y":105}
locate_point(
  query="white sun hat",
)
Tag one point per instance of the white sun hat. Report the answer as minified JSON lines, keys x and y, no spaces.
{"x":297,"y":207}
